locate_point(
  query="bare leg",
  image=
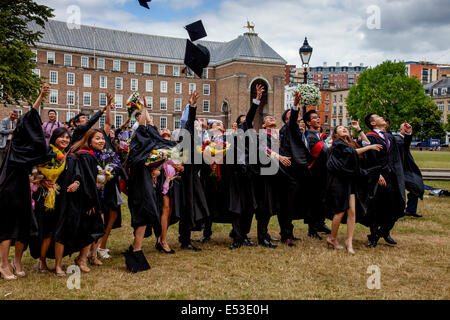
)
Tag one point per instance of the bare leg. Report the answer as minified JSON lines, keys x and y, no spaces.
{"x":4,"y":253}
{"x":165,"y":218}
{"x":112,"y":218}
{"x":351,"y":220}
{"x":332,"y":240}
{"x":92,"y":256}
{"x":139,"y":238}
{"x":81,"y":261}
{"x":59,"y":252}
{"x":44,"y":249}
{"x":20,"y":247}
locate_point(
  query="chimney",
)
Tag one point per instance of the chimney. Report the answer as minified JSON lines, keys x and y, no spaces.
{"x":337,"y":64}
{"x":324,"y":63}
{"x":361,"y":64}
{"x":349,"y":64}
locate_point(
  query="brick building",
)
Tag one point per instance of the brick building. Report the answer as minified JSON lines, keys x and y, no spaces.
{"x":426,"y":72}
{"x":82,"y":65}
{"x":340,"y":76}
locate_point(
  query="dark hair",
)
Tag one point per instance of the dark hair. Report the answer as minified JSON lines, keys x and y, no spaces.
{"x":58,"y":132}
{"x":51,"y":110}
{"x":368,"y":120}
{"x":77,"y":118}
{"x":284,"y":116}
{"x":307,"y":116}
{"x":84,"y":143}
{"x":348,"y":140}
{"x":137,"y":114}
{"x":239,"y":118}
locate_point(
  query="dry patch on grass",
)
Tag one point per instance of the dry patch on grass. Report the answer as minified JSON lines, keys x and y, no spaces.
{"x":417,"y":268}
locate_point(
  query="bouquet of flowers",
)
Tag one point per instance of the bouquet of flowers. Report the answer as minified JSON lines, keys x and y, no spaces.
{"x":51,"y":171}
{"x":107,"y":161}
{"x":310,"y":95}
{"x":156,"y":157}
{"x":213,"y":147}
{"x":124,"y":149}
{"x":133,"y":104}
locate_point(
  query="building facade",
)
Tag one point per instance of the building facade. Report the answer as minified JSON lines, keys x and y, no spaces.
{"x":340,"y":76}
{"x":82,"y":65}
{"x":426,"y":72}
{"x":439,"y":91}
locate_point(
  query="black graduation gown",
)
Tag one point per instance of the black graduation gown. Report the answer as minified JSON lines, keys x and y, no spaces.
{"x":295,"y":200}
{"x":90,"y":226}
{"x":62,"y":222}
{"x":413,"y":176}
{"x":196,"y":207}
{"x":26,"y":149}
{"x":142,"y":198}
{"x":387,"y":203}
{"x":80,"y":131}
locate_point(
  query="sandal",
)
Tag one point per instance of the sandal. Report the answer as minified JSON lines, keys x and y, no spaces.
{"x":83,"y":267}
{"x":104,"y":253}
{"x":94,"y":261}
{"x":14,"y":270}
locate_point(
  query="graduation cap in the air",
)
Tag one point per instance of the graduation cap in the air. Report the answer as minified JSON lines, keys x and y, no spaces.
{"x":144,"y":3}
{"x":196,"y":30}
{"x":196,"y":57}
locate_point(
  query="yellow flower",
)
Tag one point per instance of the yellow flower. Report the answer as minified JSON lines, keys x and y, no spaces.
{"x":154,"y":151}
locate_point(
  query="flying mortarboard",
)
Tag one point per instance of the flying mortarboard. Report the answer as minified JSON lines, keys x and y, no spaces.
{"x":144,"y":3}
{"x":196,"y":30}
{"x":196,"y":57}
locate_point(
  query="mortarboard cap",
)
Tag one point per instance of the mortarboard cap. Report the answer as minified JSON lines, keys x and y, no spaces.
{"x":196,"y":57}
{"x":196,"y":30}
{"x":144,"y":3}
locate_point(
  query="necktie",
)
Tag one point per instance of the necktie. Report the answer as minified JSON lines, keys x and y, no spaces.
{"x":386,"y":139}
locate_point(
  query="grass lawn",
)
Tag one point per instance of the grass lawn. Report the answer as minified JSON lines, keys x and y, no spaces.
{"x":415,"y":269}
{"x":432,"y":159}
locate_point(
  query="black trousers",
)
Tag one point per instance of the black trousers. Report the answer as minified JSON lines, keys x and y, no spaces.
{"x":240,"y":227}
{"x":411,"y":206}
{"x":184,"y":232}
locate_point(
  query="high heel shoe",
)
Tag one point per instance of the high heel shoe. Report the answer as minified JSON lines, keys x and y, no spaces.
{"x":40,"y":270}
{"x":333,"y":245}
{"x":83,"y":267}
{"x":349,"y":248}
{"x":160,"y":248}
{"x":14,"y":270}
{"x":3,"y":275}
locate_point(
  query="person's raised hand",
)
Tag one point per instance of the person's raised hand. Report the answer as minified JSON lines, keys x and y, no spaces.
{"x":259,"y":91}
{"x":355,"y":125}
{"x":408,"y":127}
{"x":110,"y":101}
{"x":45,"y":89}
{"x":193,"y":98}
{"x":297,"y":98}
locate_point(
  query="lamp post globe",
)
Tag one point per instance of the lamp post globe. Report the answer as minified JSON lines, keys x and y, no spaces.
{"x":305,"y":52}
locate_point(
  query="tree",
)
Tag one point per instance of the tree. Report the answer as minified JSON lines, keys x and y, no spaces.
{"x":447,"y":126}
{"x":426,"y":122}
{"x":388,"y":91}
{"x":17,"y":80}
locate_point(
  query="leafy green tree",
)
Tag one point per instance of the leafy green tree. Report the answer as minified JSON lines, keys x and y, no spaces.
{"x":17,"y":80}
{"x":426,"y":122}
{"x":388,"y":91}
{"x":447,"y":126}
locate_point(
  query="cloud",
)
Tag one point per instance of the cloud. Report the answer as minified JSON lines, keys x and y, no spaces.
{"x":336,"y":29}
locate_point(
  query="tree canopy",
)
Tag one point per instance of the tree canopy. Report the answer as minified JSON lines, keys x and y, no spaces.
{"x":17,"y":80}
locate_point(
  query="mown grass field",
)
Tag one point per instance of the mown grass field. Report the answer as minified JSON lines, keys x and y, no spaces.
{"x":417,"y":268}
{"x":432,"y":159}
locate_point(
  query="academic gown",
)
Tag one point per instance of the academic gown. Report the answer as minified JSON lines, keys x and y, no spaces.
{"x":295,"y":200}
{"x":61,"y":223}
{"x":413,"y":176}
{"x":26,"y":149}
{"x":387,"y":203}
{"x":90,"y":226}
{"x":142,"y":197}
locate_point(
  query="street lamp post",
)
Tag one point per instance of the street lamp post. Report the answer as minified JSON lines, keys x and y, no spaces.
{"x":305,"y":54}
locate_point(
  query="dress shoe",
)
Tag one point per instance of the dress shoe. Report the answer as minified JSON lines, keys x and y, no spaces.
{"x":413,"y":214}
{"x":314,"y":235}
{"x":324,"y":229}
{"x":203,"y":239}
{"x":236,"y":245}
{"x":373,"y":240}
{"x":190,"y":247}
{"x":249,"y":243}
{"x":266,"y":243}
{"x":160,"y":248}
{"x":389,"y":240}
{"x":288,"y":242}
{"x":271,"y":239}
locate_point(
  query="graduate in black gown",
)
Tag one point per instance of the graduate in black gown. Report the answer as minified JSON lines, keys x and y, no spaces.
{"x":83,"y":123}
{"x":26,"y":149}
{"x":48,"y":229}
{"x":297,"y":176}
{"x":318,"y":167}
{"x":413,"y":176}
{"x":387,"y":185}
{"x":90,"y":227}
{"x":344,"y":176}
{"x":196,"y":209}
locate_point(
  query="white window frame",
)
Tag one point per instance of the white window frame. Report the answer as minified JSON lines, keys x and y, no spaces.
{"x":149,"y":85}
{"x":161,"y":126}
{"x":54,"y":72}
{"x":161,"y":101}
{"x":86,"y":59}
{"x":87,"y":94}
{"x":102,"y":64}
{"x":209,"y":89}
{"x":53,"y":94}
{"x":132,"y":87}
{"x":37,"y":72}
{"x":131,"y":66}
{"x":205,"y":73}
{"x":181,"y":88}
{"x":67,"y":78}
{"x":175,"y":104}
{"x":49,"y":54}
{"x":87,"y":80}
{"x":120,"y":79}
{"x":209,"y":106}
{"x":116,"y":65}
{"x":105,"y":84}
{"x":67,"y":56}
{"x":147,"y":68}
{"x":34,"y":59}
{"x":176,"y":71}
{"x":100,"y":96}
{"x":119,"y":101}
{"x":189,"y":72}
{"x":102,"y":121}
{"x":71,"y":93}
{"x":149,"y":102}
{"x":162,"y":69}
{"x":116,"y":122}
{"x":163,"y":87}
{"x":192,"y":87}
{"x":175,"y":123}
{"x":69,"y":115}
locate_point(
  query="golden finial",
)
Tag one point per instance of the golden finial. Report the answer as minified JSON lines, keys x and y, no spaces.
{"x":250,"y":26}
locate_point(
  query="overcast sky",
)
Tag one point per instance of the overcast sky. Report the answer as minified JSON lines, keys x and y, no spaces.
{"x":357,"y":31}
